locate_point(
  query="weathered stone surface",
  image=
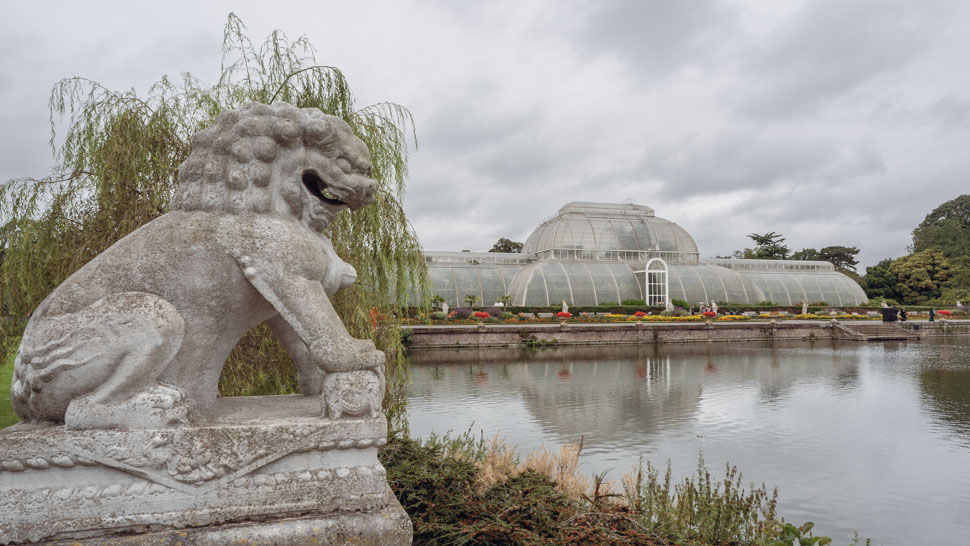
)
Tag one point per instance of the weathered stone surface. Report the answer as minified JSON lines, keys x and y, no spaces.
{"x":116,"y":377}
{"x":255,"y":457}
{"x":387,"y":526}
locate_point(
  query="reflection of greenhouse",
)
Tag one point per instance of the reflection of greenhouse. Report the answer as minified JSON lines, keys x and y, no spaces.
{"x":597,"y":253}
{"x":617,"y":393}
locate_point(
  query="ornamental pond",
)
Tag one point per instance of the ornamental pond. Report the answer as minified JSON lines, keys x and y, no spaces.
{"x":866,"y":437}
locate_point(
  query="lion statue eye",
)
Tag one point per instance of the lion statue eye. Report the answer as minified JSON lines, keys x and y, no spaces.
{"x":344,"y":165}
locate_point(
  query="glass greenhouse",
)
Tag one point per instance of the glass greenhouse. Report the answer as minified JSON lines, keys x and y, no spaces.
{"x":597,"y":253}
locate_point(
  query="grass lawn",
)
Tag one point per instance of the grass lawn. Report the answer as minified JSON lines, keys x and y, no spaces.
{"x":7,"y":416}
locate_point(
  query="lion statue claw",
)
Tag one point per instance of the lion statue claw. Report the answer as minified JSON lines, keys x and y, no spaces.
{"x":138,"y":336}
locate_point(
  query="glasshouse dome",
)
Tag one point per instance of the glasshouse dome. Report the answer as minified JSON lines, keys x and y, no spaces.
{"x":605,"y":253}
{"x":626,"y":232}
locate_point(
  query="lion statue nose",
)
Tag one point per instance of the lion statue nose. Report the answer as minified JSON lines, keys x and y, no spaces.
{"x":363,"y":192}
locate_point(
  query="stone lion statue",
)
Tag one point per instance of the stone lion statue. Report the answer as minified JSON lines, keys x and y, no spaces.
{"x":138,"y":336}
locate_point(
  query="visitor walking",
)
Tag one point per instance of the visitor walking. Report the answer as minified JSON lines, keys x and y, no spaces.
{"x":932,"y":314}
{"x":902,"y":315}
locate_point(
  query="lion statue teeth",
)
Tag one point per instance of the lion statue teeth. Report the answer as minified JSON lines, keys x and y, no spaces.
{"x":138,"y":336}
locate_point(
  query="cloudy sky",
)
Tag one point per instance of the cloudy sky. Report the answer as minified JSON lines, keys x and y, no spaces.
{"x":829,"y":121}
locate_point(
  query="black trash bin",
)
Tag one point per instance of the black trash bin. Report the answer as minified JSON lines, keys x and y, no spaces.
{"x":889,"y":314}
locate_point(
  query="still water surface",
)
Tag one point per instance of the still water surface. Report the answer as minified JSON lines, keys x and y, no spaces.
{"x":873,"y":438}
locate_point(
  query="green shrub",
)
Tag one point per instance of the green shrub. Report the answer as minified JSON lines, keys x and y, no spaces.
{"x":680,"y":303}
{"x":462,"y":491}
{"x":438,"y":315}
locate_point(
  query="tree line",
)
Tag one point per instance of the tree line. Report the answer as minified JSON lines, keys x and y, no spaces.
{"x":935,"y":272}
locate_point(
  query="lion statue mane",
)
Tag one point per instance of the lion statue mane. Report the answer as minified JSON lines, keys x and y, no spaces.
{"x":137,"y":337}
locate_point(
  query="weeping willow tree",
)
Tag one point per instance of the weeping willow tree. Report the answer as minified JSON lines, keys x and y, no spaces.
{"x":116,"y":169}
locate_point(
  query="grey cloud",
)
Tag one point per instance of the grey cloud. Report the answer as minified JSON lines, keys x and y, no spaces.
{"x":950,"y":112}
{"x":504,"y":146}
{"x":736,"y":160}
{"x":655,"y":37}
{"x":828,"y":48}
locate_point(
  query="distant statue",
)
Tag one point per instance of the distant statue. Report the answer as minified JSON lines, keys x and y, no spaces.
{"x":804,"y":308}
{"x":565,"y":308}
{"x":714,"y":306}
{"x":138,"y":336}
{"x":444,"y":308}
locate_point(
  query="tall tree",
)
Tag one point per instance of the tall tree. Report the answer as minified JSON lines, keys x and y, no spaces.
{"x":842,"y":257}
{"x":506,"y":245}
{"x":808,"y":254}
{"x":920,"y":276}
{"x":957,"y":286}
{"x":947,"y":229}
{"x":116,"y":168}
{"x":769,"y":246}
{"x":879,"y":281}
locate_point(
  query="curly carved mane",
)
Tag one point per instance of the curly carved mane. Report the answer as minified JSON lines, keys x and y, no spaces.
{"x":244,"y":161}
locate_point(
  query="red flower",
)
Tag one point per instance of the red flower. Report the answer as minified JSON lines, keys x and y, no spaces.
{"x":709,"y":314}
{"x":481,"y":314}
{"x":943,"y":312}
{"x":639,"y":314}
{"x":564,"y":314}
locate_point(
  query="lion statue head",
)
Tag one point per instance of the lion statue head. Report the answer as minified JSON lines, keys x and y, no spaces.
{"x":276,"y":159}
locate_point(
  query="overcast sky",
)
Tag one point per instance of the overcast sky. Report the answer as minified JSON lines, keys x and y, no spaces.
{"x":829,"y":121}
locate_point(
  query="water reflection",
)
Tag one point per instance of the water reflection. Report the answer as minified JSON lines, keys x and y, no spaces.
{"x":945,"y":382}
{"x":605,"y":393}
{"x":852,"y":433}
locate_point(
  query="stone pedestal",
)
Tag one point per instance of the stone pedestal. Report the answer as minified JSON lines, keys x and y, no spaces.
{"x":258,"y":469}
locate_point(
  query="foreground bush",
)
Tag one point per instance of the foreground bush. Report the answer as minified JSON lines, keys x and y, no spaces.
{"x":466,"y":491}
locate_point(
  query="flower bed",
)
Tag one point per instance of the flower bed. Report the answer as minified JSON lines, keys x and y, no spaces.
{"x":638,"y":316}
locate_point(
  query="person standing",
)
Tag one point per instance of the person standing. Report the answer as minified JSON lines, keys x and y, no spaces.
{"x":932,"y":314}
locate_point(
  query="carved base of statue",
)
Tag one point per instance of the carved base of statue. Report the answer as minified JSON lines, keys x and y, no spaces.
{"x":266,"y":469}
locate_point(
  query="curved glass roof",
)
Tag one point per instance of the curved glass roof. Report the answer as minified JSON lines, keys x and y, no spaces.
{"x":707,"y":283}
{"x":793,"y":287}
{"x":551,"y":282}
{"x":611,"y":231}
{"x":455,"y":281}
